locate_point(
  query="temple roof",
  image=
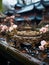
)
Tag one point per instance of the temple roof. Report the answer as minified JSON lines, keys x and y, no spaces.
{"x":33,"y":17}
{"x":46,"y":2}
{"x":27,"y":2}
{"x":19,"y":5}
{"x":10,"y":12}
{"x":10,"y":4}
{"x":39,"y":17}
{"x":38,"y":5}
{"x":19,"y":19}
{"x":26,"y":8}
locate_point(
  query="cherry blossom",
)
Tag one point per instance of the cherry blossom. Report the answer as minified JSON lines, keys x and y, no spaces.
{"x":43,"y":30}
{"x":43,"y":42}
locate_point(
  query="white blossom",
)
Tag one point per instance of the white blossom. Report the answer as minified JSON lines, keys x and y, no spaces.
{"x":10,"y":29}
{"x":14,"y":26}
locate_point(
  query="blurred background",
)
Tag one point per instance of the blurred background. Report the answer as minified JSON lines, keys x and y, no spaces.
{"x":0,"y":5}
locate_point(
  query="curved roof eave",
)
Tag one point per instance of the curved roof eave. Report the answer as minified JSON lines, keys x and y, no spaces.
{"x":26,"y":8}
{"x":46,"y":2}
{"x":31,"y":18}
{"x":9,"y":12}
{"x":40,"y":6}
{"x":19,"y":19}
{"x":20,"y":5}
{"x":23,"y":19}
{"x":39,"y":17}
{"x":37,"y":3}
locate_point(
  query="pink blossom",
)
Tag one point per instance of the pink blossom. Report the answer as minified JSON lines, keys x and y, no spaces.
{"x":10,"y":29}
{"x":1,"y":26}
{"x":4,"y":27}
{"x":43,"y":30}
{"x":12,"y":17}
{"x":43,"y":42}
{"x":41,"y":48}
{"x":47,"y":26}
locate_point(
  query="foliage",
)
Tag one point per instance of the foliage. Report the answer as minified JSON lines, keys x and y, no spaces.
{"x":0,"y":5}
